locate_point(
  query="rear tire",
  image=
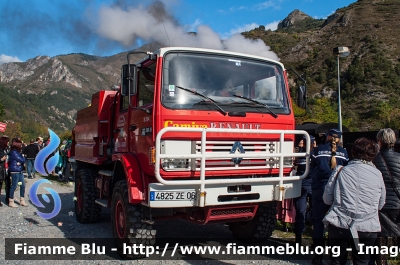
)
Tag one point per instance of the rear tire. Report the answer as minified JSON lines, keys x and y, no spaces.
{"x":127,"y":222}
{"x":87,"y":211}
{"x":258,"y":229}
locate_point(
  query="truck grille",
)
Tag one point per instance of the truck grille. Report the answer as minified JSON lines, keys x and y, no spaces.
{"x":242,"y":212}
{"x":238,"y":147}
{"x":232,"y":211}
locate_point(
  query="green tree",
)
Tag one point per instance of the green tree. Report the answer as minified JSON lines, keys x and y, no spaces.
{"x":321,"y":77}
{"x":387,"y":115}
{"x":65,"y":135}
{"x":14,"y":130}
{"x":321,"y":110}
{"x":33,"y":129}
{"x":2,"y":112}
{"x":355,"y":73}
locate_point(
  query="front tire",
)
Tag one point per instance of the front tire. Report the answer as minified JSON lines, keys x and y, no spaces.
{"x":258,"y":229}
{"x":128,"y":222}
{"x":86,"y":209}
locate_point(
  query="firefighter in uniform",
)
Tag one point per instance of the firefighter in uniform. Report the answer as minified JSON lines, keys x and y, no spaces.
{"x":325,"y":158}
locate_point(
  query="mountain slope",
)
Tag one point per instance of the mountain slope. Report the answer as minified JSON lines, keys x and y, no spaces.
{"x":49,"y":91}
{"x":370,"y":76}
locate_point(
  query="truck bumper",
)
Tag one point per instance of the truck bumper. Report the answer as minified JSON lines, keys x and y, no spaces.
{"x":170,"y":196}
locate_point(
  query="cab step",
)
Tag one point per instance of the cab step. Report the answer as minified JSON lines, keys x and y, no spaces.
{"x":108,"y":173}
{"x":102,"y":202}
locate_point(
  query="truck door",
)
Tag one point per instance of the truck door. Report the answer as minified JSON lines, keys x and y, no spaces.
{"x":141,"y":121}
{"x":121,"y":125}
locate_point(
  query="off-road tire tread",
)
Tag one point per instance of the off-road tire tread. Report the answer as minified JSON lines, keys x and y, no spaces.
{"x":91,"y":211}
{"x":258,"y":229}
{"x":143,"y":233}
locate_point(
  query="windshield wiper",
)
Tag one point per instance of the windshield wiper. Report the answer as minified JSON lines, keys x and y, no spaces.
{"x":202,"y":96}
{"x":258,"y":103}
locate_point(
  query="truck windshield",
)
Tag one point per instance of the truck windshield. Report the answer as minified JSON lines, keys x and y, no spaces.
{"x":227,"y":80}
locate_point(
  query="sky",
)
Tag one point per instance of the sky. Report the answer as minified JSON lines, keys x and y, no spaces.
{"x":29,"y":28}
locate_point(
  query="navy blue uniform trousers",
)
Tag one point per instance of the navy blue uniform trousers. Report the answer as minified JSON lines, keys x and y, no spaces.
{"x":319,"y":209}
{"x":301,"y":209}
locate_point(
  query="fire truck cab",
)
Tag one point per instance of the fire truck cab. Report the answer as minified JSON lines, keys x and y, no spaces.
{"x":197,"y":134}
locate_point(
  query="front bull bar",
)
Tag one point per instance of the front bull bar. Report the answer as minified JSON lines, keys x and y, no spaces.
{"x":203,"y":155}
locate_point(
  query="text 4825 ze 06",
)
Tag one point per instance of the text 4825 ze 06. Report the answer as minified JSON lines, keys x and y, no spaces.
{"x":173,"y":195}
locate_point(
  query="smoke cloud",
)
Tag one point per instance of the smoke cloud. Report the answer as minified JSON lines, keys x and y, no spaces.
{"x":154,"y":23}
{"x":7,"y":59}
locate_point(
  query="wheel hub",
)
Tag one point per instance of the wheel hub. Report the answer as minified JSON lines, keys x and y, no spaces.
{"x":120,"y":219}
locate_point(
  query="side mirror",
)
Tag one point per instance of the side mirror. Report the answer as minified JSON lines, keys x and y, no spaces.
{"x":128,"y":80}
{"x":301,"y":94}
{"x":301,"y":97}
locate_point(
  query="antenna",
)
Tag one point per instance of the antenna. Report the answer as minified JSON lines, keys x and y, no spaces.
{"x":166,"y":33}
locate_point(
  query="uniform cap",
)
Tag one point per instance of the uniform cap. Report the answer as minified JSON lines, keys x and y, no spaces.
{"x":312,"y":139}
{"x":335,"y":132}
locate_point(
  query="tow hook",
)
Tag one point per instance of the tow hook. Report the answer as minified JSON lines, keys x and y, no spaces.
{"x":282,"y":192}
{"x":148,"y":221}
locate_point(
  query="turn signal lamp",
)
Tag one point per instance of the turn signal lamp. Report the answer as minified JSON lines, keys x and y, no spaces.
{"x":152,"y":155}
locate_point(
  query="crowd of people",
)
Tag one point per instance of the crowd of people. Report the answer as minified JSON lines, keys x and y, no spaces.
{"x":17,"y":158}
{"x":356,"y":202}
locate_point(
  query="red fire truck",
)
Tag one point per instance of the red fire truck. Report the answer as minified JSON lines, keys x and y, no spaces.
{"x":197,"y":134}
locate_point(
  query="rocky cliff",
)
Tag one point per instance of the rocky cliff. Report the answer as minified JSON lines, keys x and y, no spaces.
{"x":292,"y":19}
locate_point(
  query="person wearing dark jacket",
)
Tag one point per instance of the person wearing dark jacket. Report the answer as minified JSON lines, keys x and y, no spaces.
{"x":3,"y":159}
{"x":30,"y":152}
{"x":325,"y":158}
{"x":15,"y":167}
{"x":301,"y":202}
{"x":388,"y":162}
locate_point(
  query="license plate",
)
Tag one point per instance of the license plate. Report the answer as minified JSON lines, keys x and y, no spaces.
{"x":172,"y":195}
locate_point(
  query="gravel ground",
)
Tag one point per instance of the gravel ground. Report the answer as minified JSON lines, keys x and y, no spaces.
{"x":23,"y":222}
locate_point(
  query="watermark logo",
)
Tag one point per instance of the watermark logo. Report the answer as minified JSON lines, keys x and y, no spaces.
{"x":35,"y":200}
{"x":45,"y":162}
{"x":47,"y":158}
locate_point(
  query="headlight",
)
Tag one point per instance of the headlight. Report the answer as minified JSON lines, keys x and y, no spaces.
{"x":172,"y":147}
{"x":286,"y":149}
{"x":174,"y":163}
